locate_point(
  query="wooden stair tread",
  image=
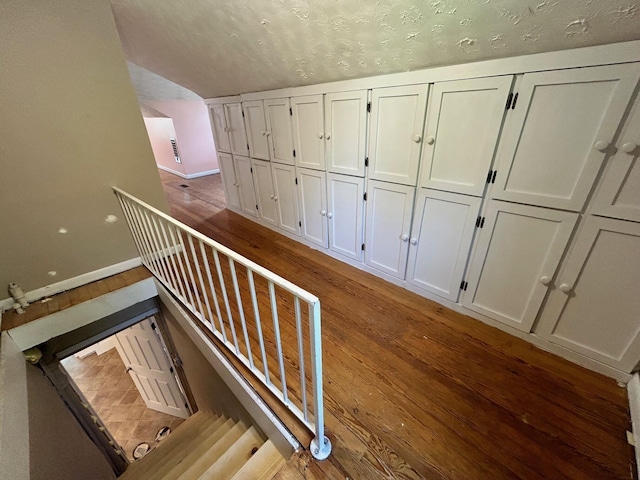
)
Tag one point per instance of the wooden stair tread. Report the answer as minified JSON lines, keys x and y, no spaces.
{"x":263,"y":465}
{"x":234,"y":457}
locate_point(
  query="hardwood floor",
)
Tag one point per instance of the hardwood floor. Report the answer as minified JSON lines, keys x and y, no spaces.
{"x":415,"y":390}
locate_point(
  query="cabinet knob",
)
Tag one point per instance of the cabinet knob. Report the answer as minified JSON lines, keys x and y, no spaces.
{"x":430,"y":140}
{"x":271,"y":197}
{"x":328,"y":136}
{"x":545,"y":280}
{"x":236,"y":185}
{"x":601,"y":145}
{"x":414,"y":241}
{"x":264,"y":133}
{"x":275,"y":199}
{"x":404,"y":238}
{"x":565,"y":287}
{"x":226,"y":129}
{"x":320,"y":135}
{"x":323,"y":212}
{"x":267,"y":133}
{"x":329,"y":215}
{"x":629,"y":147}
{"x":417,"y":138}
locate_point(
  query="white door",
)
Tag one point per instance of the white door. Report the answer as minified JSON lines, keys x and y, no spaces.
{"x":264,"y":191}
{"x":619,"y":194}
{"x":441,"y":235}
{"x":148,"y":364}
{"x":308,"y":131}
{"x":256,"y":124}
{"x":219,"y":127}
{"x":346,"y":132}
{"x":244,"y":177}
{"x":278,"y":112}
{"x":517,"y":254}
{"x":558,"y":134}
{"x":286,"y":197}
{"x":229,"y":181}
{"x":594,"y":308}
{"x":345,"y":214}
{"x":388,"y":225}
{"x":235,"y":128}
{"x":313,"y":205}
{"x":395,"y":133}
{"x":463,"y":123}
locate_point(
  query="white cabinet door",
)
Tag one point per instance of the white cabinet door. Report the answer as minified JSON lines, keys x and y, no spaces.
{"x":516,"y":257}
{"x":244,"y":176}
{"x":229,"y":180}
{"x":235,"y":129}
{"x":278,"y":114}
{"x":264,"y":191}
{"x":388,"y":226}
{"x":595,"y":307}
{"x":395,"y":133}
{"x":313,"y":205}
{"x":556,"y":138}
{"x":286,"y":197}
{"x":308,"y":131}
{"x":346,"y":132}
{"x":219,"y":127}
{"x":345,"y":214}
{"x":619,"y":194}
{"x":257,"y":130}
{"x":441,"y":235}
{"x":463,"y":123}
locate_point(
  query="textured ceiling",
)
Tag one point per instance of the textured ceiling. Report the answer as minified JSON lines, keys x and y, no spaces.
{"x":149,"y":86}
{"x":223,"y":47}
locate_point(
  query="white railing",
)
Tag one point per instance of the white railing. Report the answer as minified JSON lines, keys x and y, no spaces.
{"x":192,"y":267}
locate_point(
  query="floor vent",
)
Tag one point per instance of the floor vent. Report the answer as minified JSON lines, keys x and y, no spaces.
{"x":184,"y":185}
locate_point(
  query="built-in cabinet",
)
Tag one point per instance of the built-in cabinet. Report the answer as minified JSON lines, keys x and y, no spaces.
{"x":265,"y":193}
{"x":278,"y":114}
{"x":346,"y":132}
{"x":229,"y":181}
{"x":244,"y":179}
{"x":219,"y":127}
{"x":286,"y":197}
{"x":313,"y":205}
{"x":236,"y":132}
{"x":345,"y":214}
{"x":308,"y":131}
{"x":256,"y":126}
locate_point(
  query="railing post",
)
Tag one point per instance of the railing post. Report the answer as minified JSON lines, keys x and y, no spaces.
{"x":320,"y":445}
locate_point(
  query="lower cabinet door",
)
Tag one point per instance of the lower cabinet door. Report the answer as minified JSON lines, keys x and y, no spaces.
{"x":313,"y":205}
{"x":388,"y":223}
{"x":594,"y":307}
{"x":345,"y":214}
{"x":244,"y":177}
{"x":286,"y":197}
{"x":441,"y":235}
{"x":517,"y":254}
{"x":264,"y":191}
{"x":229,"y":181}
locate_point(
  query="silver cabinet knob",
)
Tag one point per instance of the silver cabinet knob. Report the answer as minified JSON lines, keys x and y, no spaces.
{"x":417,"y":138}
{"x":323,"y":212}
{"x":430,"y":140}
{"x":404,"y":238}
{"x":320,"y":135}
{"x":601,"y":145}
{"x":565,"y":287}
{"x":545,"y":280}
{"x":329,"y":215}
{"x":414,"y":241}
{"x":328,"y":136}
{"x":629,"y":147}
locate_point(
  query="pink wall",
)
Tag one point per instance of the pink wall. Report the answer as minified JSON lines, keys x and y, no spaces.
{"x":160,"y":130}
{"x":193,"y":133}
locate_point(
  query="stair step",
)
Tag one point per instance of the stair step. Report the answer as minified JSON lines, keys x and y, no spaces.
{"x":235,"y":457}
{"x":263,"y":465}
{"x":196,"y":469}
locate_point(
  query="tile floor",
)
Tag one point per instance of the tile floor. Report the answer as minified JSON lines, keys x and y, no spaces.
{"x":113,"y":395}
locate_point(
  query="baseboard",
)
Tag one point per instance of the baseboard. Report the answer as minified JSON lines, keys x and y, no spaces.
{"x":74,"y":282}
{"x":174,"y":172}
{"x":191,"y":175}
{"x":633,"y":390}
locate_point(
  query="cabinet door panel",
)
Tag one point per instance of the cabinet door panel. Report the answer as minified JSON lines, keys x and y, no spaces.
{"x":441,"y":235}
{"x":219,"y":127}
{"x":599,"y":315}
{"x":308,"y":131}
{"x":397,"y":118}
{"x":550,"y":152}
{"x":313,"y":205}
{"x":229,"y":181}
{"x":279,"y":130}
{"x":245,"y":185}
{"x":286,"y":197}
{"x":345,"y":214}
{"x":518,"y":246}
{"x":346,"y":131}
{"x":463,"y":122}
{"x":264,"y":191}
{"x":236,"y":131}
{"x":256,"y":129}
{"x":388,"y":222}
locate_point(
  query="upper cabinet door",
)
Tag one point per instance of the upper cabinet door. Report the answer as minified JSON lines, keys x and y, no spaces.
{"x":440,"y":242}
{"x":619,"y":195}
{"x":559,"y":132}
{"x":244,"y":176}
{"x":595,"y":308}
{"x":313,"y":205}
{"x":219,"y":127}
{"x":235,"y":129}
{"x":395,"y":133}
{"x":256,"y":129}
{"x":279,"y":134}
{"x":388,"y":226}
{"x":229,"y":181}
{"x":286,"y":197}
{"x":346,"y":132}
{"x":264,"y":191}
{"x":345,"y":214}
{"x":308,"y":131}
{"x":515,"y":259}
{"x":463,"y":123}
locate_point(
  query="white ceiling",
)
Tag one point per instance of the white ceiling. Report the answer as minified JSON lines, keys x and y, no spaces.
{"x":225,"y":47}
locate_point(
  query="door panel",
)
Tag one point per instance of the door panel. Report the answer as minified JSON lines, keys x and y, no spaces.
{"x":236,"y":131}
{"x":313,"y":205}
{"x":244,"y":176}
{"x":257,"y":129}
{"x":219,"y":127}
{"x":229,"y":181}
{"x":264,"y":191}
{"x":308,"y":131}
{"x":284,"y":183}
{"x":346,"y":132}
{"x":279,"y":130}
{"x":345,"y":214}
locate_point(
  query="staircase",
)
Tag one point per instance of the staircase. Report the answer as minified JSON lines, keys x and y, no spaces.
{"x":206,"y":446}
